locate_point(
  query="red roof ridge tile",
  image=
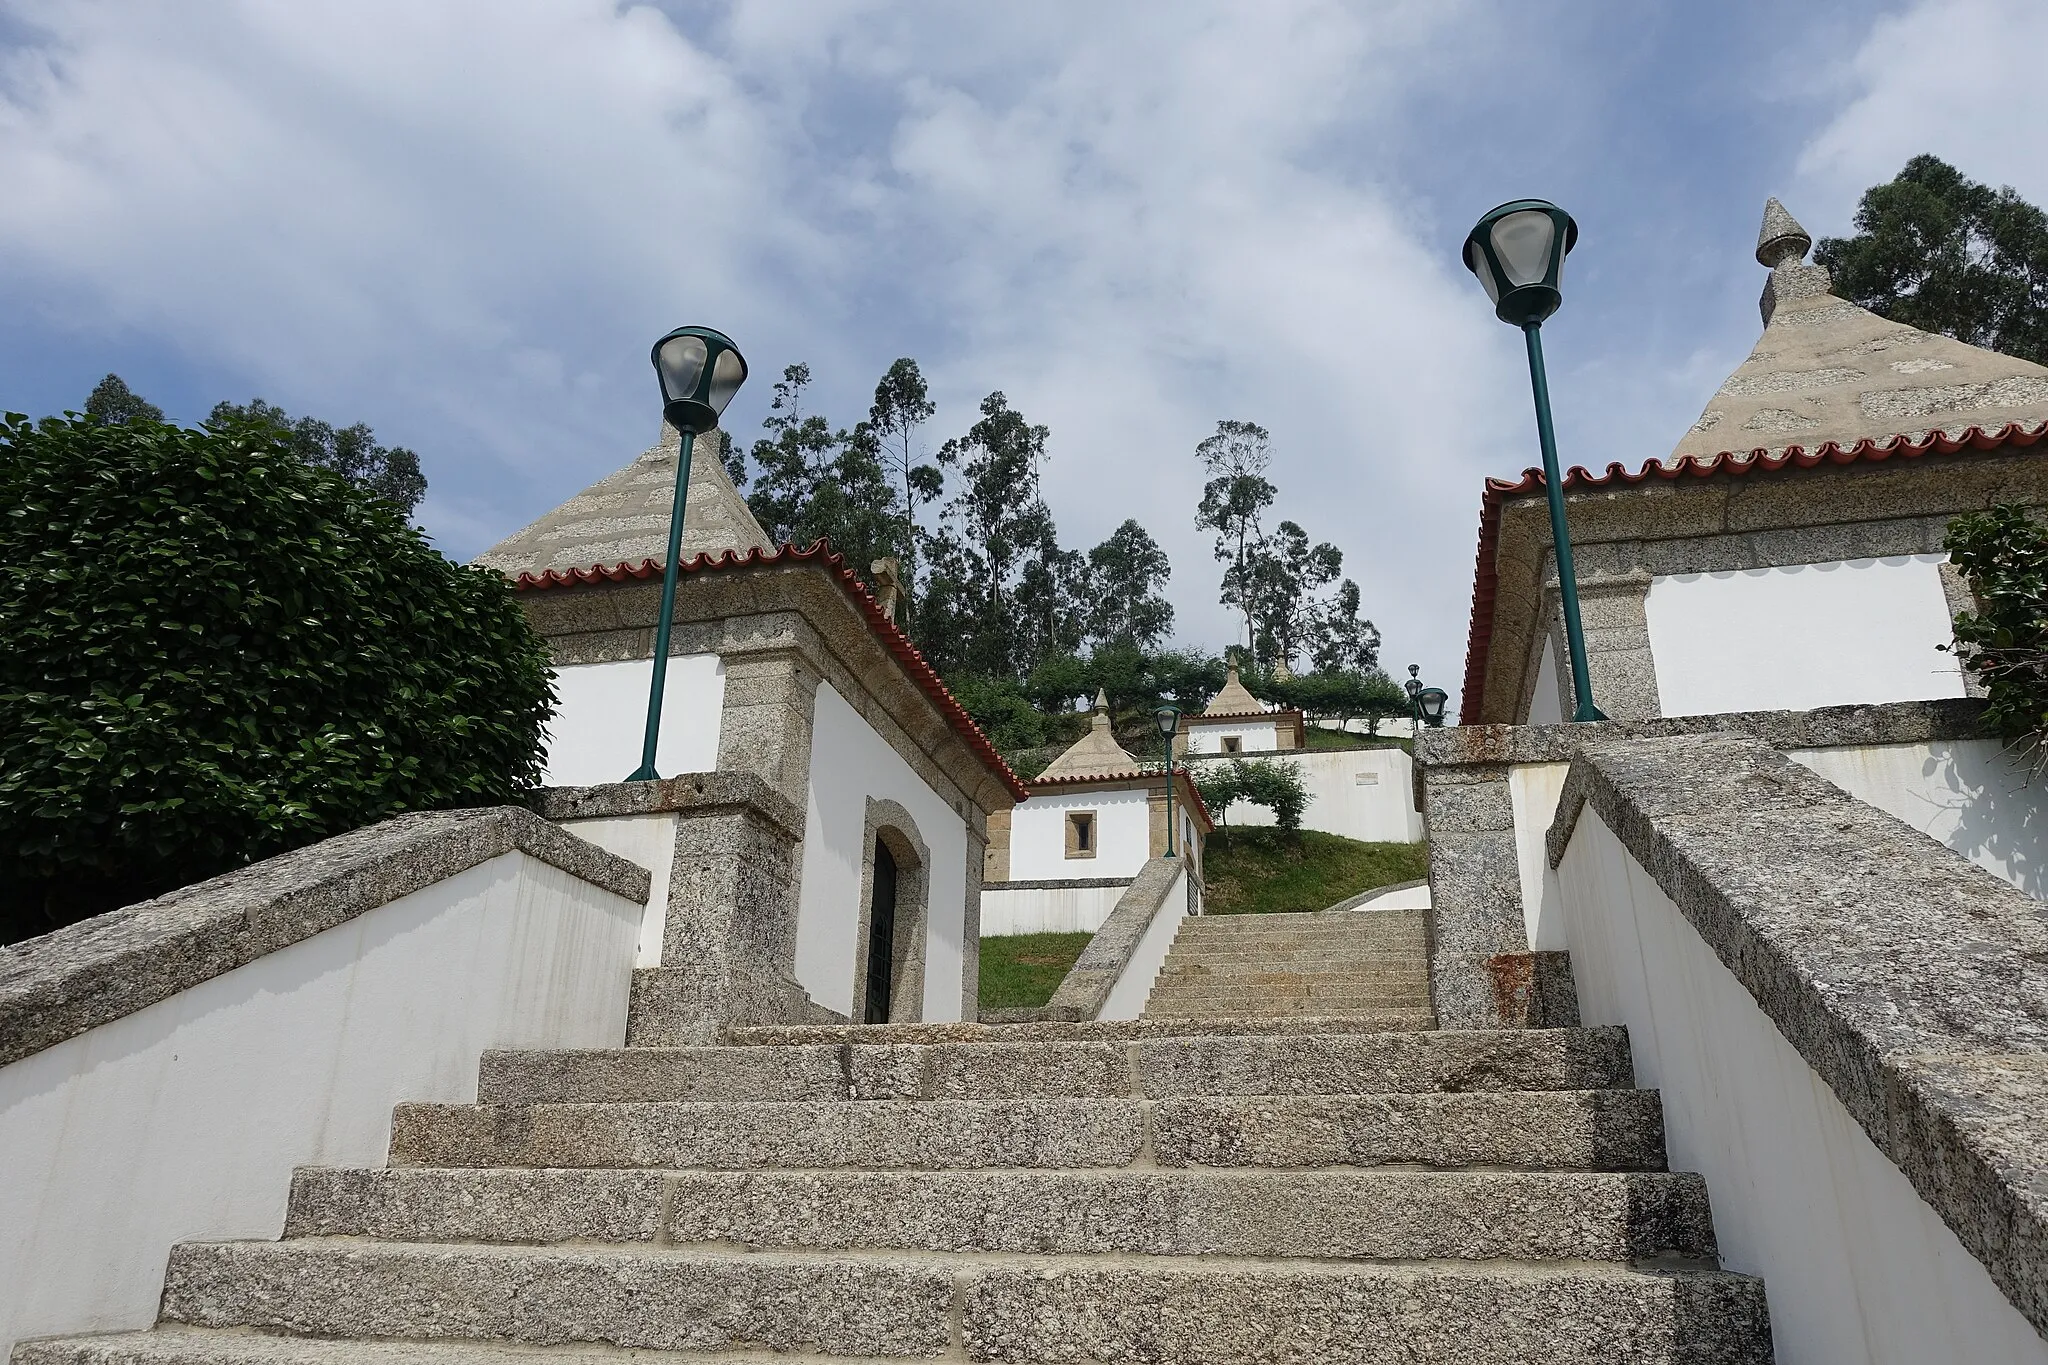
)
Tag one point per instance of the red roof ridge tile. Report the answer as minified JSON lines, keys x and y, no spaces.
{"x":891,"y":635}
{"x":1479,"y":637}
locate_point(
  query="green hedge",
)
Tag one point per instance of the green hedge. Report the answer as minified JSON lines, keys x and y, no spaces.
{"x":215,"y":652}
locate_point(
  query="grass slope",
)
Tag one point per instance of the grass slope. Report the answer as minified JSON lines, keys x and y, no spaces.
{"x":1261,"y":871}
{"x":1025,"y":969}
{"x":1250,"y":872}
{"x":1318,"y":738}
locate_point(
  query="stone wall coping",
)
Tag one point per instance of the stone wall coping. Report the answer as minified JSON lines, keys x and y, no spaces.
{"x":692,"y":793}
{"x":1913,"y":981}
{"x":1059,"y":884}
{"x":62,"y":983}
{"x":1902,"y":722}
{"x":1088,"y":983}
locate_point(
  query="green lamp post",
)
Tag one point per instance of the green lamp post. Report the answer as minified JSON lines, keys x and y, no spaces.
{"x":700,"y":370}
{"x":1167,"y":720}
{"x":1426,"y":702}
{"x":1518,"y":252}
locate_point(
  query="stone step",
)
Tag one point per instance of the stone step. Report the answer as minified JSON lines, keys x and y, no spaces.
{"x":1395,"y":993}
{"x":1024,"y":1309}
{"x":1380,"y":1215}
{"x":1198,"y":1010}
{"x":1292,"y":952}
{"x":1546,"y":1130}
{"x":1308,"y":926}
{"x":1157,"y":1068}
{"x":780,"y":1035}
{"x":1262,"y":980}
{"x":1292,"y":939}
{"x":177,"y":1344}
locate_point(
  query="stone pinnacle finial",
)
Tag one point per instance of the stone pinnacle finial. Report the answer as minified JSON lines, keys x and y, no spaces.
{"x":1099,"y":721}
{"x":1781,"y":241}
{"x":1102,"y":701}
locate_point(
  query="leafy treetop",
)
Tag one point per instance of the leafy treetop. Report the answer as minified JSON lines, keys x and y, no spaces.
{"x":2004,"y":641}
{"x":217,"y":651}
{"x":1938,"y":251}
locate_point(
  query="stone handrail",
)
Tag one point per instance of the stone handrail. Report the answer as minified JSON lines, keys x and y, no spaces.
{"x":63,"y":983}
{"x":1912,"y":981}
{"x":1087,"y":985}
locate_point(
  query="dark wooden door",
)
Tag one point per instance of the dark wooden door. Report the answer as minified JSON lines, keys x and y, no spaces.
{"x":881,"y":936}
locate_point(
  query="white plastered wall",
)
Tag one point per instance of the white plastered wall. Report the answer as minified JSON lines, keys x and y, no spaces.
{"x":1974,"y":795}
{"x":1047,"y":909}
{"x":1859,"y":1269}
{"x":849,"y":764}
{"x":1134,"y":983}
{"x":1359,"y":793}
{"x":1123,"y":835}
{"x":1533,"y":791}
{"x":601,"y":719}
{"x":650,"y":841}
{"x":1802,"y":636}
{"x":1253,"y":736}
{"x":183,"y":1120}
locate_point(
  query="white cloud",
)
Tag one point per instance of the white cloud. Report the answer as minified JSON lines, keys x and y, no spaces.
{"x":465,"y":222}
{"x":1935,"y":77}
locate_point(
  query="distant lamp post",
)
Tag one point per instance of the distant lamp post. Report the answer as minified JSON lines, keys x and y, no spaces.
{"x":1427,"y":703}
{"x":1167,"y":719}
{"x":700,"y":370}
{"x":1518,"y":252}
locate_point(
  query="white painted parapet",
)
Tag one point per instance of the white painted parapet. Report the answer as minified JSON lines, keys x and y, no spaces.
{"x":165,"y":1067}
{"x":1048,"y":907}
{"x":1833,"y":1013}
{"x":1113,"y":976}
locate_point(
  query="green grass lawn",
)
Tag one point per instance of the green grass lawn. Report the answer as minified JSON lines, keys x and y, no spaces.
{"x":1319,"y":738}
{"x":1260,"y":871}
{"x":1019,"y":970}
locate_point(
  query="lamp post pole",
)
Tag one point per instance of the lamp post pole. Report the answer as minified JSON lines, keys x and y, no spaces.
{"x":1166,"y":720}
{"x":1169,"y":799}
{"x":700,"y":370}
{"x":1560,"y":536}
{"x":646,"y":772}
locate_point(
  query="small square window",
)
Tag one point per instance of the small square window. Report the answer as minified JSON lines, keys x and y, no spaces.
{"x":1233,"y":744}
{"x":1081,"y":834}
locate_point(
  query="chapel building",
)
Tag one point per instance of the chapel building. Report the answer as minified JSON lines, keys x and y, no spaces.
{"x":1788,"y":554}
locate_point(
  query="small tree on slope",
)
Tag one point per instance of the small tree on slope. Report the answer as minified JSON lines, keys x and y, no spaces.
{"x":217,"y":652}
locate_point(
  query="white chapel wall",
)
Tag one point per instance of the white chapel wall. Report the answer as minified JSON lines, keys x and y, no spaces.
{"x":1253,"y":736}
{"x":1976,"y":796}
{"x":1123,"y":835}
{"x":183,"y":1121}
{"x":849,"y":764}
{"x":601,"y":718}
{"x":1359,"y":793}
{"x":1802,"y":636}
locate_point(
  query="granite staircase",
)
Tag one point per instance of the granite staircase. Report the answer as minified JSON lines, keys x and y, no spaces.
{"x":1286,"y":1191}
{"x":1368,"y":963}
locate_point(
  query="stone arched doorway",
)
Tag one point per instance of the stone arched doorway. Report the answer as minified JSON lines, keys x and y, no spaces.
{"x":888,"y":959}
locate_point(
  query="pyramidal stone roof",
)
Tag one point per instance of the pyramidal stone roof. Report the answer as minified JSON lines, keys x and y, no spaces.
{"x":1095,"y":754}
{"x":1233,"y":699}
{"x":1826,"y":370}
{"x":623,"y":518}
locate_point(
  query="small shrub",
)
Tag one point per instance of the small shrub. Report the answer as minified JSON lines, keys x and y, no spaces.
{"x":2004,"y":552}
{"x":1271,"y":783}
{"x":216,"y":652}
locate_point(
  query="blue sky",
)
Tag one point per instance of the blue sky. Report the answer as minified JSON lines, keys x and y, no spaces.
{"x":465,"y":223}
